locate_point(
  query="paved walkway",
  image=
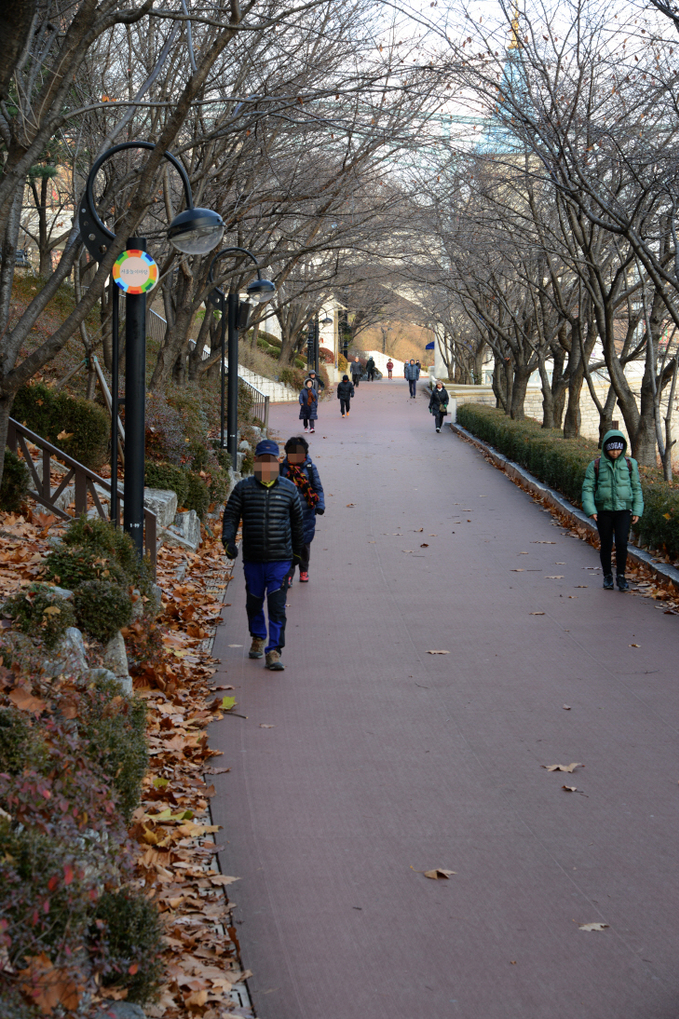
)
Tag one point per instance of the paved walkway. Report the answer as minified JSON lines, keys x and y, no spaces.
{"x":385,"y":761}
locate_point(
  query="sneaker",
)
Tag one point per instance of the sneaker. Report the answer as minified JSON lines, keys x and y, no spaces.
{"x":273,"y":661}
{"x":312,"y":429}
{"x":438,"y":429}
{"x":608,"y":582}
{"x":622,"y":582}
{"x":303,"y":577}
{"x":288,"y":581}
{"x":257,"y":648}
{"x":348,"y":413}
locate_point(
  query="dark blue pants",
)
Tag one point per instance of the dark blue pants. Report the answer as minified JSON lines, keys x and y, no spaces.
{"x":413,"y":386}
{"x":266,"y":580}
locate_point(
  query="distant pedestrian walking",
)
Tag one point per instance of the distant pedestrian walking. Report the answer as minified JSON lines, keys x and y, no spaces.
{"x":356,"y":371}
{"x":273,"y":538}
{"x":298,"y":468}
{"x":345,"y":390}
{"x":612,"y":496}
{"x":370,"y":368}
{"x":308,"y":406}
{"x":390,"y":367}
{"x":412,"y":374}
{"x":438,"y":404}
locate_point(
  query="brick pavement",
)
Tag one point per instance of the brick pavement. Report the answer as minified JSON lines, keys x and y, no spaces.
{"x":385,"y":761}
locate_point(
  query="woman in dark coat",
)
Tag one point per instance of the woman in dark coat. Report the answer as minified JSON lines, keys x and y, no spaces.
{"x":308,"y":406}
{"x":298,"y":468}
{"x":345,"y":391}
{"x":438,"y":404}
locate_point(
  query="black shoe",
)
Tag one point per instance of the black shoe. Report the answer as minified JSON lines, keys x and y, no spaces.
{"x":608,"y":582}
{"x":622,"y":582}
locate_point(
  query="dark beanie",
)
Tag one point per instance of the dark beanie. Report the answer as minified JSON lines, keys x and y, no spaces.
{"x":614,"y":444}
{"x":345,"y":378}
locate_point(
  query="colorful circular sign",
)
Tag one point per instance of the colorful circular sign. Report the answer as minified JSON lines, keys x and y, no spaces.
{"x":135,"y":272}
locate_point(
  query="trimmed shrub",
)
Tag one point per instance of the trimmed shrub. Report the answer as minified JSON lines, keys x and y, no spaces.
{"x":21,"y":745}
{"x":561,"y":463}
{"x":15,"y":481}
{"x":293,"y":377}
{"x":115,"y":729}
{"x":109,"y":542}
{"x":326,"y":356}
{"x":219,"y":486}
{"x":198,"y":495}
{"x":71,"y":565}
{"x":40,"y":613}
{"x":342,"y":363}
{"x":53,"y":414}
{"x":102,"y":608}
{"x":168,"y":477}
{"x":133,"y":941}
{"x":223,"y":458}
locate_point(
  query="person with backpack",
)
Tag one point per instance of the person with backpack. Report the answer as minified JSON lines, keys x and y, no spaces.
{"x":345,"y":390}
{"x":438,"y":403}
{"x":308,"y":406}
{"x":612,"y":496}
{"x":299,"y":468}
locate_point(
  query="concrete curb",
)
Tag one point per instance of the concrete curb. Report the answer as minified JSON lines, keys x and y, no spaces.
{"x":550,"y":497}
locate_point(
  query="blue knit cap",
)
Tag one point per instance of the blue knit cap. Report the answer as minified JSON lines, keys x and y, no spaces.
{"x":267,"y":447}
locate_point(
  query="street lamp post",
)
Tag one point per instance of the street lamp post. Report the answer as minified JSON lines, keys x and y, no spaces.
{"x":234,"y":316}
{"x":193,"y":232}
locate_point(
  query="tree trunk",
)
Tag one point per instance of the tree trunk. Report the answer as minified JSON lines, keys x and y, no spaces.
{"x":522,"y":374}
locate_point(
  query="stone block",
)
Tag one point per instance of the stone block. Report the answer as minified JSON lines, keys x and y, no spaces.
{"x":186,"y":526}
{"x":120,"y":1010}
{"x":70,"y":657}
{"x":163,"y":503}
{"x":104,"y":676}
{"x":115,"y":659}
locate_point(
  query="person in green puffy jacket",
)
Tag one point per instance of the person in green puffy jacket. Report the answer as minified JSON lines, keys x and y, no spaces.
{"x":612,"y":496}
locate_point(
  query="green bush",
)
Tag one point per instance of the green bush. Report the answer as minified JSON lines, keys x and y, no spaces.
{"x":71,"y":565}
{"x":219,"y":486}
{"x":115,"y":729}
{"x":21,"y":745}
{"x":40,"y":613}
{"x":168,"y":477}
{"x":15,"y":481}
{"x":293,"y":377}
{"x":198,"y":495}
{"x":102,"y":608}
{"x":133,"y":937}
{"x":51,"y":414}
{"x":112,"y":543}
{"x":561,"y":463}
{"x":223,"y":458}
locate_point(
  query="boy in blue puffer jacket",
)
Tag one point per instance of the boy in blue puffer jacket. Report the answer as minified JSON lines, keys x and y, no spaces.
{"x":298,"y":468}
{"x":612,"y":496}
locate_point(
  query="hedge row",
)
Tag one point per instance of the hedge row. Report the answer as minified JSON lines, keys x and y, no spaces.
{"x":80,"y":427}
{"x":561,"y":463}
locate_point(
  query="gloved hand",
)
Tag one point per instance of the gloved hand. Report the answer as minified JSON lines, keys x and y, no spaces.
{"x":231,"y":551}
{"x":319,"y":511}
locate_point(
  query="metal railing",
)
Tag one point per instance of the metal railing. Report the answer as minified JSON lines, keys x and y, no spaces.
{"x":85,"y":483}
{"x":259,"y":407}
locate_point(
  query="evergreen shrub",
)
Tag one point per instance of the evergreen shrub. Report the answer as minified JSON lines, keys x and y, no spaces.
{"x":71,"y":565}
{"x":102,"y":608}
{"x":40,"y":613}
{"x":133,"y":937}
{"x":92,"y":534}
{"x":169,"y":477}
{"x":21,"y":745}
{"x":561,"y":464}
{"x":51,"y":414}
{"x":15,"y":481}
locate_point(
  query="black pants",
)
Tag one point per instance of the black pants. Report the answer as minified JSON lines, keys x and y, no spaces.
{"x":371,"y":375}
{"x":308,"y":422}
{"x":613,"y":524}
{"x":439,"y":416}
{"x":344,"y":404}
{"x":413,"y":387}
{"x":303,"y":560}
{"x":356,"y":379}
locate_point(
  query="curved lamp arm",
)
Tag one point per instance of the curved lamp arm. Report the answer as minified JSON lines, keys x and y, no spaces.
{"x":232,"y":251}
{"x":94,"y":233}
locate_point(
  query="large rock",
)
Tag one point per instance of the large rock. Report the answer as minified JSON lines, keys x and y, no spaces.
{"x":163,"y":503}
{"x":103,"y":676}
{"x":70,"y":657}
{"x":115,"y":659}
{"x":184,"y":532}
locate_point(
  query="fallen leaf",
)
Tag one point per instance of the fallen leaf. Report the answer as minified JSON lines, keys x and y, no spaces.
{"x":438,"y":652}
{"x":263,"y":725}
{"x":517,"y":571}
{"x":543,"y":543}
{"x":350,"y":505}
{"x":231,"y":645}
{"x":439,"y":872}
{"x":567,"y":707}
{"x":558,"y":576}
{"x":634,"y":645}
{"x":25,"y":701}
{"x":222,"y":879}
{"x":593,"y":926}
{"x":228,"y":703}
{"x":65,"y":435}
{"x":536,"y":613}
{"x":570,"y":788}
{"x":570,"y":768}
{"x":424,"y":545}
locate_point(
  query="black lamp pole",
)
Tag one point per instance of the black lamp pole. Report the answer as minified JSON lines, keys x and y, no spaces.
{"x":194,"y":231}
{"x":235,"y":316}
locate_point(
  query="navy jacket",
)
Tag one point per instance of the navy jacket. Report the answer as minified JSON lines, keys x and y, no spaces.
{"x":308,"y":512}
{"x":273,"y":526}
